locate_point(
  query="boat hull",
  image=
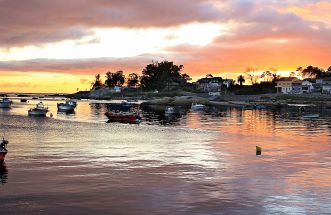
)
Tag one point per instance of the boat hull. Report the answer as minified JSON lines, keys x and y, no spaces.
{"x":198,"y":107}
{"x":41,"y":113}
{"x":5,"y":104}
{"x":123,"y":118}
{"x":65,"y":108}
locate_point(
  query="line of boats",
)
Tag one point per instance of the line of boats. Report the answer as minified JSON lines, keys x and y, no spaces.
{"x":40,"y":109}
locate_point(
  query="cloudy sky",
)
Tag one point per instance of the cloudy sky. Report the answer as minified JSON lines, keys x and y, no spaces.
{"x":57,"y":46}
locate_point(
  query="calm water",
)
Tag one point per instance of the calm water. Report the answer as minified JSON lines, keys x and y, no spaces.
{"x":190,"y":163}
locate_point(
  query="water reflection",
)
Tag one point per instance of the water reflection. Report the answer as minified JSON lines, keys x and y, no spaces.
{"x":3,"y":173}
{"x":188,"y":163}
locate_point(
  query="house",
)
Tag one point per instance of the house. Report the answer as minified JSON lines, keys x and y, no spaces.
{"x":297,"y":87}
{"x":213,"y":84}
{"x":326,"y":85}
{"x":308,"y":86}
{"x":284,"y":85}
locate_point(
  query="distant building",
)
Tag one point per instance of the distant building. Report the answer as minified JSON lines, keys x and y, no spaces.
{"x":284,"y":85}
{"x":308,"y":86}
{"x":213,"y":84}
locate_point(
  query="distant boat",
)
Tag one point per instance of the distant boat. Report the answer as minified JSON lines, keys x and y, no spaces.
{"x":39,"y":110}
{"x":68,"y":106}
{"x":5,"y":103}
{"x":311,"y":116}
{"x":196,"y":106}
{"x":35,"y":97}
{"x":169,"y":110}
{"x":123,"y":117}
{"x":3,"y":149}
{"x":24,"y":100}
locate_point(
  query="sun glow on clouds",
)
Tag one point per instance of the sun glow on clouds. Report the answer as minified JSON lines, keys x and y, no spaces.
{"x":120,"y":42}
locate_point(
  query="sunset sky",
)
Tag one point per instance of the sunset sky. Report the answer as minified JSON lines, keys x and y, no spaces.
{"x":58,"y":46}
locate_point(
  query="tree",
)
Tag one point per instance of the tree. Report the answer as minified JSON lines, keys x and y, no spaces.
{"x":97,"y":82}
{"x":114,"y":79}
{"x":312,"y":72}
{"x":157,"y":76}
{"x":133,"y":80}
{"x":266,"y":76}
{"x":241,"y":79}
{"x":251,"y":74}
{"x":209,"y":76}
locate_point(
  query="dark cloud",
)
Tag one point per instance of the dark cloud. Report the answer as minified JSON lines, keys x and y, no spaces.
{"x":80,"y":66}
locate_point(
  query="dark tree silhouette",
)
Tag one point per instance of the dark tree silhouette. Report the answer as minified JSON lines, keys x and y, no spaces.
{"x":209,"y":76}
{"x":133,"y":80}
{"x":312,"y":72}
{"x":97,"y":82}
{"x":158,"y":76}
{"x":114,"y":79}
{"x":241,"y":80}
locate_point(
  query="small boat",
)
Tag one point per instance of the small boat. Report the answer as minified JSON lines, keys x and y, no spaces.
{"x":24,"y":100}
{"x":63,"y":107}
{"x":311,"y":116}
{"x":196,"y":106}
{"x":68,"y":106}
{"x":5,"y":103}
{"x":170,"y":110}
{"x":39,"y":110}
{"x":123,"y":117}
{"x":3,"y":149}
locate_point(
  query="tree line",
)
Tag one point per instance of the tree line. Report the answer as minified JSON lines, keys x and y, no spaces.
{"x":155,"y":76}
{"x":271,"y":76}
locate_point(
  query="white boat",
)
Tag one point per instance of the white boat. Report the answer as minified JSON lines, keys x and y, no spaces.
{"x":311,"y":116}
{"x":196,"y":106}
{"x":39,"y":110}
{"x":5,"y":103}
{"x":169,"y":110}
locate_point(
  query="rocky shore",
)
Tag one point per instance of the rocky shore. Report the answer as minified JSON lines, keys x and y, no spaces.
{"x":187,"y":98}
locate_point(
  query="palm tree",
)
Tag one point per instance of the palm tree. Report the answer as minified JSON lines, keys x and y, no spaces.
{"x":241,"y":79}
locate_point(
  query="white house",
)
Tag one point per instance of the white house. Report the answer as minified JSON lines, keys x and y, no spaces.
{"x":284,"y":85}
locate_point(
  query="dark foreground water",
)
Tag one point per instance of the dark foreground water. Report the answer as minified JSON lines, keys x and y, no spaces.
{"x":190,"y":163}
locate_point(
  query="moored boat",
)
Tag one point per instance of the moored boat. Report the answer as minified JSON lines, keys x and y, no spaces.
{"x":196,"y":106}
{"x":123,"y":117}
{"x":39,"y":110}
{"x":5,"y":103}
{"x":68,"y":106}
{"x":311,"y":116}
{"x":169,"y":110}
{"x":24,"y":100}
{"x":3,"y":149}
